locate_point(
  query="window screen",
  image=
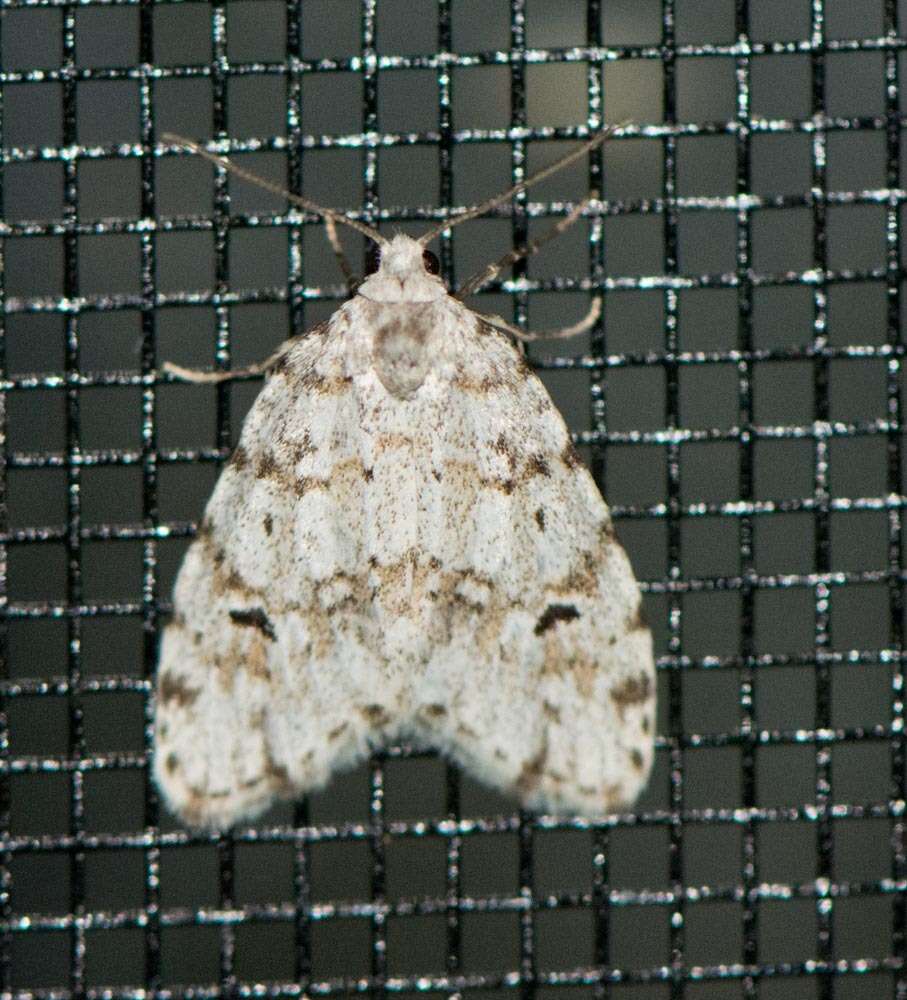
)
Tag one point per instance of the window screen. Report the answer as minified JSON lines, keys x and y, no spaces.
{"x":739,"y":404}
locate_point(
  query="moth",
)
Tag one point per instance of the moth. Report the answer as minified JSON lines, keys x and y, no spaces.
{"x":405,"y":545}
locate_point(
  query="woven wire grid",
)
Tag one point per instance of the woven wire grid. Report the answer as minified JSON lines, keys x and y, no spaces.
{"x":767,"y":858}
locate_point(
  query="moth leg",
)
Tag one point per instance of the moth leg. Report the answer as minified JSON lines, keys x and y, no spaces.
{"x":262,"y":367}
{"x":478,"y":281}
{"x":588,"y":321}
{"x":198,"y":377}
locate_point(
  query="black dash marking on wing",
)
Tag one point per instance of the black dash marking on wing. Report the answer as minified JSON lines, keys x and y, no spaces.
{"x":256,"y":618}
{"x":555,"y":613}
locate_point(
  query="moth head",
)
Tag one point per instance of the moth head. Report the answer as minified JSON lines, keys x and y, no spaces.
{"x":399,"y":257}
{"x":401,"y":269}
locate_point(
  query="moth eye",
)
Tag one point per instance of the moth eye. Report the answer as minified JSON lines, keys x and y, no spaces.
{"x":372,"y":258}
{"x":431,"y":262}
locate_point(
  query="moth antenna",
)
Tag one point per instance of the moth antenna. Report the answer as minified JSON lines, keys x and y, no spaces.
{"x":330,"y":228}
{"x":294,"y":199}
{"x":487,"y":206}
{"x":197,"y":377}
{"x":563,"y":333}
{"x":488,"y":273}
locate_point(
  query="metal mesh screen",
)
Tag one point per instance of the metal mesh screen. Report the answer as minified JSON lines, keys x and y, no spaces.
{"x":739,"y":404}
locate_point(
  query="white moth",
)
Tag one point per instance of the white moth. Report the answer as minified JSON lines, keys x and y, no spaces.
{"x":404,"y":546}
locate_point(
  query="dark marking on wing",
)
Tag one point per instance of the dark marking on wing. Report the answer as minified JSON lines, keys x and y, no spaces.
{"x":636,"y":759}
{"x":280,"y":364}
{"x":269,"y":525}
{"x":553,"y":614}
{"x":570,"y":456}
{"x":376,"y":715}
{"x":632,"y":691}
{"x":506,"y":448}
{"x":537,"y":466}
{"x":278,"y":776}
{"x":176,"y":689}
{"x":540,"y":519}
{"x":551,"y":711}
{"x":254,"y":618}
{"x":326,"y":385}
{"x":303,"y":447}
{"x":523,"y":368}
{"x":267,"y":466}
{"x":533,"y":769}
{"x":240,"y":458}
{"x":234,"y":581}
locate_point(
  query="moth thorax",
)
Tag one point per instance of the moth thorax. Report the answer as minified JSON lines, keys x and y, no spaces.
{"x":400,"y":352}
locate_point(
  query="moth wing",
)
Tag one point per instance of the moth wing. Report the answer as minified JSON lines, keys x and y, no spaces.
{"x":544,"y":686}
{"x":464,"y":588}
{"x":251,"y":702}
